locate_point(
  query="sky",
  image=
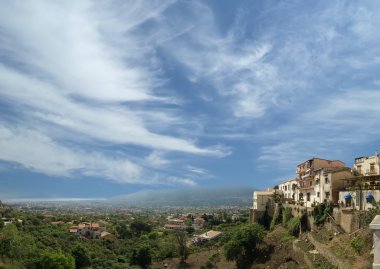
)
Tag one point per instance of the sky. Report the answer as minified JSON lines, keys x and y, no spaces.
{"x":105,"y":98}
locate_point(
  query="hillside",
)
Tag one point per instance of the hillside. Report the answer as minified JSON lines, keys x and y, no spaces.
{"x":189,"y":197}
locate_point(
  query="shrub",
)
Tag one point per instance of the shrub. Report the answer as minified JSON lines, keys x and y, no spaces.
{"x":286,"y":215}
{"x":242,"y":246}
{"x":293,"y":226}
{"x":357,"y":244}
{"x":321,"y":212}
{"x":276,"y":217}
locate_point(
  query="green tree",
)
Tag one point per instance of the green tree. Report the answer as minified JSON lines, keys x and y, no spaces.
{"x":81,"y":256}
{"x":142,"y":257}
{"x":17,"y":245}
{"x":138,"y":227}
{"x":123,"y":231}
{"x":57,"y":260}
{"x":190,"y":229}
{"x":242,"y":246}
{"x":183,"y":251}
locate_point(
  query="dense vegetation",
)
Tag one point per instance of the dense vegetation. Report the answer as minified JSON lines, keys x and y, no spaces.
{"x":138,"y":241}
{"x":242,"y":246}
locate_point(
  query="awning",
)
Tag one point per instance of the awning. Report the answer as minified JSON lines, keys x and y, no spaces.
{"x":347,"y":196}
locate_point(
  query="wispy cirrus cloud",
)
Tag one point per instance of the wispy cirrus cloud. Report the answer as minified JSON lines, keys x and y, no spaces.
{"x":40,"y":153}
{"x":83,"y":72}
{"x":301,"y":78}
{"x":143,"y":92}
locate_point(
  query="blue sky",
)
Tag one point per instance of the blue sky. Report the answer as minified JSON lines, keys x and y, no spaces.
{"x":103,"y":98}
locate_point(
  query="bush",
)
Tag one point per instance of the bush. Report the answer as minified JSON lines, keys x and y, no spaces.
{"x":242,"y":246}
{"x":56,"y":260}
{"x":321,"y":212}
{"x":357,"y":244}
{"x":286,"y":215}
{"x":276,"y":217}
{"x":293,"y":226}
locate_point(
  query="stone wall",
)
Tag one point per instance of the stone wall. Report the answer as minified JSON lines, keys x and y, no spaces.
{"x":348,"y":220}
{"x":298,"y":211}
{"x":328,"y":254}
{"x":255,"y":215}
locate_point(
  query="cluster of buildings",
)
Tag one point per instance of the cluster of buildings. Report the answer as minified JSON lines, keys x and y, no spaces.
{"x":90,"y":230}
{"x":318,"y":180}
{"x":180,"y":223}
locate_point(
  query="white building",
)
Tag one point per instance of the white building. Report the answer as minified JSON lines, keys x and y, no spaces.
{"x":263,"y":199}
{"x":289,"y":189}
{"x":315,"y":177}
{"x":367,"y":166}
{"x":205,"y":237}
{"x":362,"y":190}
{"x":327,"y":184}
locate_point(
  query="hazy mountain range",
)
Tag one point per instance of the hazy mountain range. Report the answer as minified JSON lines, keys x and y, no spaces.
{"x":189,"y":197}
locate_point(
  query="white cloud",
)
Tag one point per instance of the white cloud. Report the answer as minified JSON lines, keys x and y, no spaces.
{"x":197,"y":170}
{"x":40,"y":153}
{"x":156,"y":159}
{"x":182,"y":181}
{"x":114,"y":124}
{"x":82,"y":71}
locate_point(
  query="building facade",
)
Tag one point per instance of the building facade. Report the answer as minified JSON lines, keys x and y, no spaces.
{"x":367,"y":166}
{"x":314,"y":180}
{"x":362,"y":190}
{"x":289,"y":189}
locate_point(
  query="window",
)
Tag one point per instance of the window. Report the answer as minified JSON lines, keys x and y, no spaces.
{"x":372,"y":167}
{"x":308,"y":196}
{"x":327,"y":180}
{"x":327,"y":195}
{"x":359,"y":168}
{"x":348,"y":202}
{"x":318,"y":194}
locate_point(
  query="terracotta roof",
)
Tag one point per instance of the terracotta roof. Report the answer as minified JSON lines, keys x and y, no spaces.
{"x":73,"y":230}
{"x":57,"y":222}
{"x":168,"y":226}
{"x":104,"y":234}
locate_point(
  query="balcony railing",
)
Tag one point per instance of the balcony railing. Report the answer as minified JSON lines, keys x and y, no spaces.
{"x":371,"y":172}
{"x":364,"y":188}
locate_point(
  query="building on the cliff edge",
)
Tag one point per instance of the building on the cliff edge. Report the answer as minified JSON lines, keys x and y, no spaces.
{"x":289,"y":189}
{"x":263,"y":201}
{"x":362,"y":189}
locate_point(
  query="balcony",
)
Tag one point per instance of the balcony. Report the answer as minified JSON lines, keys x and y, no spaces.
{"x":359,"y":160}
{"x":306,"y":188}
{"x":371,"y":172}
{"x":365,"y":187}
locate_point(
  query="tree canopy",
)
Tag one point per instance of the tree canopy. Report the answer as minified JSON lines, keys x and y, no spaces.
{"x":242,"y":246}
